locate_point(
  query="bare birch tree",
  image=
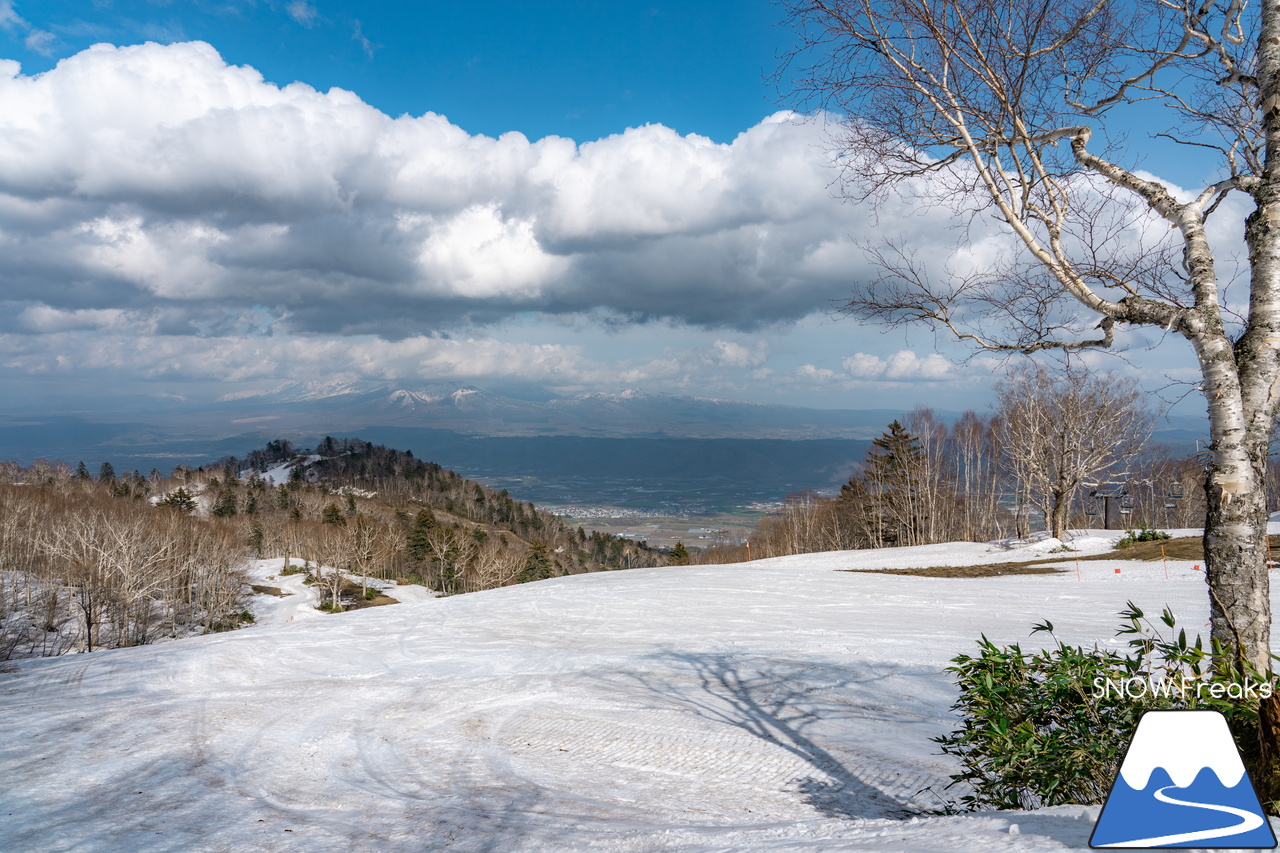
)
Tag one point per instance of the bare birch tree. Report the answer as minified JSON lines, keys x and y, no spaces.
{"x":935,"y":490}
{"x":975,"y":455}
{"x":1005,"y":111}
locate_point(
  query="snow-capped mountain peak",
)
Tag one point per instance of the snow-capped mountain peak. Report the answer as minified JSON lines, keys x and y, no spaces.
{"x":298,"y":392}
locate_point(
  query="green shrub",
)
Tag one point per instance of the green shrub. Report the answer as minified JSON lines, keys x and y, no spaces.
{"x":1042,"y":729}
{"x":1144,"y":534}
{"x":292,"y":570}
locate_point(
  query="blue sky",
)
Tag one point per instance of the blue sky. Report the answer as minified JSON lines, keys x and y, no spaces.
{"x":212,"y":196}
{"x":577,"y":69}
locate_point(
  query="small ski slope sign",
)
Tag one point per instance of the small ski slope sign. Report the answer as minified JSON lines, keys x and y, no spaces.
{"x":1182,"y":784}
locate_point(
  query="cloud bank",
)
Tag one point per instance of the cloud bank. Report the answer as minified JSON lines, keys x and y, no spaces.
{"x":161,"y":179}
{"x":167,"y":216}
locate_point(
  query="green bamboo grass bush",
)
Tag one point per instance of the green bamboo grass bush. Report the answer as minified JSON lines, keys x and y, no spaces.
{"x":1143,"y":534}
{"x":1050,"y":727}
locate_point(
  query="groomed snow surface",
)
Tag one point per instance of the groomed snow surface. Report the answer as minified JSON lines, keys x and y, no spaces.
{"x":782,"y":705}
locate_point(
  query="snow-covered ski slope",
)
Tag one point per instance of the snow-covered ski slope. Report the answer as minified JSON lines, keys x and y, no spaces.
{"x":782,"y":705}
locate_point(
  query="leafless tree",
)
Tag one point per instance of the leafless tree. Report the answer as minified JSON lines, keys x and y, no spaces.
{"x":974,"y":454}
{"x":330,"y":548}
{"x":370,"y":547}
{"x":1163,"y":490}
{"x":935,"y":483}
{"x":494,"y":566}
{"x":1061,"y":429}
{"x":1007,"y":110}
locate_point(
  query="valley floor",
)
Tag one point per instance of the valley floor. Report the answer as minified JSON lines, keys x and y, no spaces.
{"x":783,"y":705}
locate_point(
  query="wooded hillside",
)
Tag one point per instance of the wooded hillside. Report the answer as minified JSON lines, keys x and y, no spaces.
{"x":105,"y":561}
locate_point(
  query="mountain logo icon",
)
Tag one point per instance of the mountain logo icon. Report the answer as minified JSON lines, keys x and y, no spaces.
{"x":1182,"y":784}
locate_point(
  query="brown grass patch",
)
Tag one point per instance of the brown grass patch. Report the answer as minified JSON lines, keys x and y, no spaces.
{"x":268,"y":590}
{"x":1185,"y":548}
{"x":378,"y":600}
{"x":988,"y":570}
{"x":353,"y":597}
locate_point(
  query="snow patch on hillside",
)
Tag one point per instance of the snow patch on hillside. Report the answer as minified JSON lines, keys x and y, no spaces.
{"x":297,"y":599}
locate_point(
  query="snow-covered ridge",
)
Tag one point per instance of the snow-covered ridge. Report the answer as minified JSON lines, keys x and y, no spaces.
{"x":303,"y":391}
{"x":635,"y":394}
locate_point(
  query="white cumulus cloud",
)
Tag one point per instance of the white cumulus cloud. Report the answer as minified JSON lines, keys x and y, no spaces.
{"x":161,"y":175}
{"x":903,"y":365}
{"x":165,"y":213}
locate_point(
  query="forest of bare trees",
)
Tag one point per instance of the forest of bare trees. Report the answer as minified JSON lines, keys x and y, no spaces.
{"x":86,"y":567}
{"x":1060,"y":451}
{"x":112,"y":560}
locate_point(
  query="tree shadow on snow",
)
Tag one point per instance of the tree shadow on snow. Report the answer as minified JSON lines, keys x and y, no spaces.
{"x":780,"y":704}
{"x":479,"y":818}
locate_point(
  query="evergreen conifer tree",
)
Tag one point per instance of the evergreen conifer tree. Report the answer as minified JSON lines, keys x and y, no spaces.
{"x":224,"y":506}
{"x":180,"y":500}
{"x":537,"y":566}
{"x":256,"y":537}
{"x":891,"y":482}
{"x":418,"y":543}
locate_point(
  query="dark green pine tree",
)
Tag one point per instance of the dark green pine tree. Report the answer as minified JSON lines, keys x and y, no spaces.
{"x":82,"y":472}
{"x":181,"y":500}
{"x":417,"y":542}
{"x":898,"y":449}
{"x":333,"y":515}
{"x":224,"y":506}
{"x":106,"y":473}
{"x":256,"y":537}
{"x":891,"y":477}
{"x":537,"y":566}
{"x":679,"y":555}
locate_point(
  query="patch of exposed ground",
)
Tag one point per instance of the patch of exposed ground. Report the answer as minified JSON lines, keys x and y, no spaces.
{"x":989,"y":570}
{"x":1187,"y":548}
{"x":353,"y":598}
{"x":377,"y":601}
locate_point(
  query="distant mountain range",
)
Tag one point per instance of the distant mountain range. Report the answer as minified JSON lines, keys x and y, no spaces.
{"x":476,"y":411}
{"x":632,"y":448}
